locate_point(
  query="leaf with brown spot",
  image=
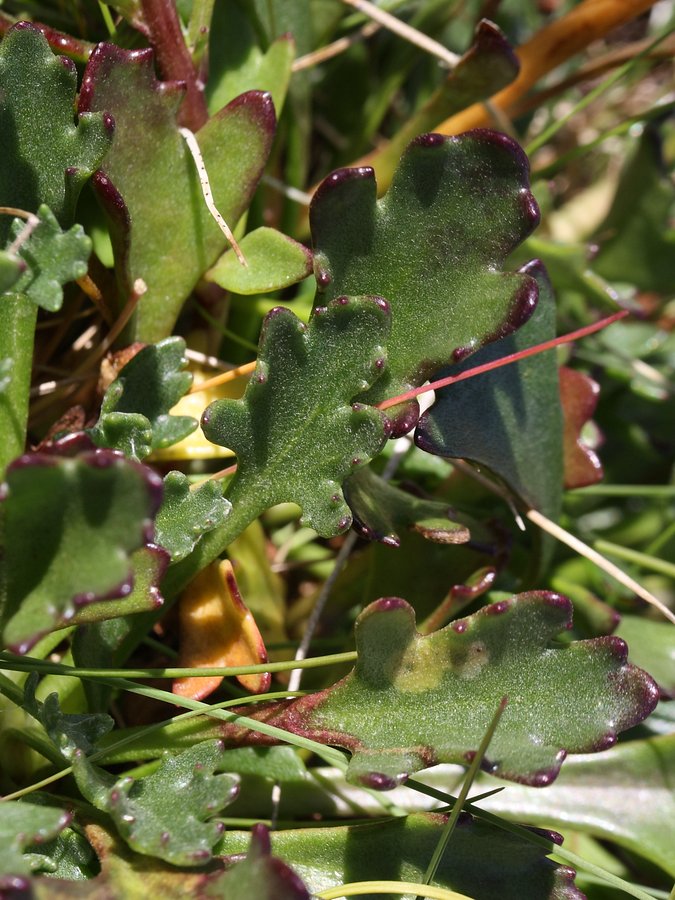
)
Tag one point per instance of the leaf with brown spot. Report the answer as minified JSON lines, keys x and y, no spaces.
{"x":579,"y":397}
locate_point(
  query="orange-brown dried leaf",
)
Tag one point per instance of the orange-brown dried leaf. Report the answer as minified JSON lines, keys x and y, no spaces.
{"x":579,"y":397}
{"x":217,"y":630}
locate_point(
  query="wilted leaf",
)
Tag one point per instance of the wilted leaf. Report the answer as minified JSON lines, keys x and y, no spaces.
{"x":275,"y":261}
{"x":481,"y":861}
{"x":168,"y":814}
{"x":509,"y":419}
{"x":52,"y":257}
{"x":434,"y":246}
{"x":23,"y":825}
{"x":625,"y":795}
{"x":162,"y":230}
{"x":380,"y":510}
{"x":46,"y":157}
{"x":579,"y":397}
{"x":145,"y":390}
{"x":262,"y":875}
{"x":186,"y":515}
{"x":217,"y":630}
{"x":296,"y":433}
{"x":435,"y":695}
{"x":71,"y":528}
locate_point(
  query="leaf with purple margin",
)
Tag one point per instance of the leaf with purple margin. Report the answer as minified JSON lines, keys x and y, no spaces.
{"x":71,"y":527}
{"x":162,"y":231}
{"x":262,"y":875}
{"x":186,"y":515}
{"x":380,"y":510}
{"x":509,"y":420}
{"x":434,"y":246}
{"x":168,"y":814}
{"x":625,"y":795}
{"x":46,"y":157}
{"x":23,"y":825}
{"x":296,"y":432}
{"x":435,"y":695}
{"x":481,"y":861}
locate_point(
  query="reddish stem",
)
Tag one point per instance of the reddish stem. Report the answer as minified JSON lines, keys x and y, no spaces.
{"x":174,"y":60}
{"x":504,"y":361}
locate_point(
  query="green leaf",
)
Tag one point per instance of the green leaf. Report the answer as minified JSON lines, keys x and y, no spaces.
{"x":237,"y":64}
{"x":435,"y":695}
{"x":487,"y":67}
{"x":135,"y":415}
{"x":652,"y":647}
{"x":295,"y":432}
{"x":21,"y":825}
{"x":380,"y":510}
{"x":168,"y":814}
{"x":68,"y":856}
{"x":625,"y":795}
{"x":71,"y":527}
{"x":481,"y":861}
{"x":46,"y":157}
{"x":52,"y":257}
{"x":67,"y":731}
{"x":11,"y":269}
{"x":434,"y":246}
{"x":162,"y":231}
{"x":510,"y":419}
{"x":275,"y":261}
{"x":637,"y":240}
{"x":261,"y":875}
{"x":186,"y":515}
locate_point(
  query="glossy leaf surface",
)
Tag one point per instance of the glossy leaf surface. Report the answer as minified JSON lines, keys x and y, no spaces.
{"x":481,"y":861}
{"x":275,"y":262}
{"x":434,"y":247}
{"x":510,"y":419}
{"x":162,"y":230}
{"x":296,"y":433}
{"x":72,"y":526}
{"x":46,"y":157}
{"x":625,"y":795}
{"x":167,"y":814}
{"x":435,"y":695}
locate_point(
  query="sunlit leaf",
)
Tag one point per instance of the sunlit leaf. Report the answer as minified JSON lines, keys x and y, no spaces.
{"x":275,"y":261}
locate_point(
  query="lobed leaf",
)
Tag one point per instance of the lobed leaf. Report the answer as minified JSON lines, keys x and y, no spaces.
{"x":186,"y":515}
{"x":509,"y":420}
{"x":169,"y":814}
{"x":46,"y":156}
{"x":72,"y":526}
{"x":434,"y":246}
{"x":296,"y":433}
{"x":23,"y":825}
{"x":162,"y":231}
{"x":135,"y":415}
{"x":52,"y":258}
{"x":412,"y":701}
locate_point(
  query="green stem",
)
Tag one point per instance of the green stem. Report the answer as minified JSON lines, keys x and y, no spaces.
{"x":17,"y":329}
{"x":634,"y":556}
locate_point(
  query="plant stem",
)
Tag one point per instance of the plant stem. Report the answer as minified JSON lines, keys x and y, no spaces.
{"x":662,"y":566}
{"x":174,"y":60}
{"x":18,"y":317}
